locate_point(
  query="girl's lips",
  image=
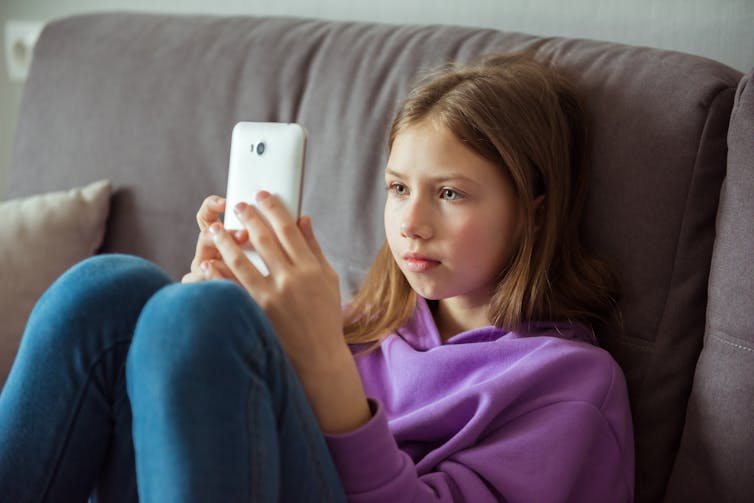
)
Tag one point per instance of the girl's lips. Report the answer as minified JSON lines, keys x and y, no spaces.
{"x":418,"y":263}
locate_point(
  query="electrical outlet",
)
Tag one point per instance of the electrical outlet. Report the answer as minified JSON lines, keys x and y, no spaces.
{"x":20,"y":37}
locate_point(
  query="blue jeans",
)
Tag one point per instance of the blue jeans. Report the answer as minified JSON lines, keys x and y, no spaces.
{"x":127,"y":382}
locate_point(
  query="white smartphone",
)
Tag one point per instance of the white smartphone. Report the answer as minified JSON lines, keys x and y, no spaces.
{"x":265,"y":156}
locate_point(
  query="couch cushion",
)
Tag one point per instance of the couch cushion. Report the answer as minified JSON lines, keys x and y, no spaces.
{"x":40,"y":237}
{"x":154,"y":99}
{"x":715,"y":459}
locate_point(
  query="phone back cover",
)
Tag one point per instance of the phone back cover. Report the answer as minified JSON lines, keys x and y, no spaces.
{"x":278,"y":170}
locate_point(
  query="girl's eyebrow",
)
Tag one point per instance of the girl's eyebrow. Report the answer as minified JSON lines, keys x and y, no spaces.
{"x":443,"y":178}
{"x":392,"y":172}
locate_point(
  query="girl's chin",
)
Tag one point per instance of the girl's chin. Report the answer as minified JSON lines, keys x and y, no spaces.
{"x":439,"y":290}
{"x":429,"y":292}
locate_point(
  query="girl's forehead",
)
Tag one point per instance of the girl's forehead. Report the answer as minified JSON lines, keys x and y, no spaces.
{"x":424,"y":138}
{"x":429,"y":147}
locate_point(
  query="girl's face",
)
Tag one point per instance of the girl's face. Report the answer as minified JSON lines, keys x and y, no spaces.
{"x":450,"y":215}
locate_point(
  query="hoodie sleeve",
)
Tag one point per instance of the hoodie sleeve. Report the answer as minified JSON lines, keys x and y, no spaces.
{"x":565,"y":451}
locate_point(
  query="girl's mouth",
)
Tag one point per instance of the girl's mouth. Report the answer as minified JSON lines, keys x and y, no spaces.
{"x":419,"y":263}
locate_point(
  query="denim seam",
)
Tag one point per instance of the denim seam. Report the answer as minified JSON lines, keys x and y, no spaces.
{"x":309,"y":434}
{"x":254,"y":487}
{"x":76,"y":410}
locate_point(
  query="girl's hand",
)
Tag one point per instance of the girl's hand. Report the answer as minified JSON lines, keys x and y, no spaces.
{"x":300,"y":295}
{"x":208,"y":263}
{"x":301,"y":298}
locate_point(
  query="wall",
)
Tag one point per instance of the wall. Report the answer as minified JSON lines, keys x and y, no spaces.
{"x":719,"y":29}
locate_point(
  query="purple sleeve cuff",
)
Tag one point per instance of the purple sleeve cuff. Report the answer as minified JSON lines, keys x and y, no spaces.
{"x":367,"y":457}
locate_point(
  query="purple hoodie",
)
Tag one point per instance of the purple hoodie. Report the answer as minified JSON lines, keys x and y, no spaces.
{"x":536,"y":416}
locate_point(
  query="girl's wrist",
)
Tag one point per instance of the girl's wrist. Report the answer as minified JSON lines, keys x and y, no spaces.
{"x":336,"y":394}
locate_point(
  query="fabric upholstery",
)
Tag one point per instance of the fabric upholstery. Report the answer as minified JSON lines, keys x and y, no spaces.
{"x":715,"y":461}
{"x":40,"y":237}
{"x":152,"y":101}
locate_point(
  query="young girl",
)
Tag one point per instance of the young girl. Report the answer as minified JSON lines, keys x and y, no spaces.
{"x":465,"y":369}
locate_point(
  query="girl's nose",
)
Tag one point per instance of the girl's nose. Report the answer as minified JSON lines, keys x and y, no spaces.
{"x":415,"y":224}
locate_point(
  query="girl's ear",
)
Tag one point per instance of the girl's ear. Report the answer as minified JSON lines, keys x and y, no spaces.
{"x":539,"y":212}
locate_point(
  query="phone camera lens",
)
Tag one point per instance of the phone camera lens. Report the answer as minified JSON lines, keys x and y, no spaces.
{"x":260,"y":148}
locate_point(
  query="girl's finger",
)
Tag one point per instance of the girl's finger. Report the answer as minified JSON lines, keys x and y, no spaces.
{"x":209,"y":212}
{"x":192,"y":277}
{"x":210,"y":270}
{"x":285,"y":227}
{"x":262,"y":237}
{"x":234,"y":258}
{"x":205,"y":249}
{"x":240,"y":236}
{"x":217,"y":269}
{"x":305,"y":224}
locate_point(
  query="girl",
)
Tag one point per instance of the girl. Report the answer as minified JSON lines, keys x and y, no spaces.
{"x":465,"y":369}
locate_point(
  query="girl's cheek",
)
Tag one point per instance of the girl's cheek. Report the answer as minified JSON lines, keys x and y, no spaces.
{"x":465,"y":227}
{"x":392,"y":219}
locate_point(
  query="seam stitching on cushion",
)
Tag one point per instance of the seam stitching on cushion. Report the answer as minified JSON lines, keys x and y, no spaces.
{"x":729,"y":343}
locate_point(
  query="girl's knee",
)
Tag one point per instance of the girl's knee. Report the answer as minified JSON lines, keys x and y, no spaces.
{"x":191,"y":329}
{"x":107,"y":278}
{"x":90,"y":311}
{"x":94,"y":296}
{"x":195,"y":308}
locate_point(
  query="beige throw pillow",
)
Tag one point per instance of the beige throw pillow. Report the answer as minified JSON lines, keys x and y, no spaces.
{"x":40,"y":237}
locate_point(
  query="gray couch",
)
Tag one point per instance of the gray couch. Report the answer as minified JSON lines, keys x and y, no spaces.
{"x":149,"y":102}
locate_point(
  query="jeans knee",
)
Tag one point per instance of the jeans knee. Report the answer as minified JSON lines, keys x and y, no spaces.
{"x":106,"y":279}
{"x":97,"y":295}
{"x":193,"y":331}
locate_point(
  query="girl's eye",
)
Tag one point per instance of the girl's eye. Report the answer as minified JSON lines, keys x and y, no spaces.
{"x":451,"y":195}
{"x":398,"y":189}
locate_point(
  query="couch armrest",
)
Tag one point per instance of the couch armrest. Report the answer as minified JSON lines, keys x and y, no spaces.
{"x":714,"y":462}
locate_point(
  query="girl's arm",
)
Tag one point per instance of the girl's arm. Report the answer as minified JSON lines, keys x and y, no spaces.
{"x":566,"y":451}
{"x":301,"y":298}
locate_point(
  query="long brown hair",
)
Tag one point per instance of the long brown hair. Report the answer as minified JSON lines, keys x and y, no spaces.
{"x":523,"y":116}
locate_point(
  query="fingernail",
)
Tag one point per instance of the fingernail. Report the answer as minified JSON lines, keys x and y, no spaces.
{"x":306,"y":223}
{"x":214,"y":229}
{"x":240,"y":208}
{"x":262,"y":195}
{"x":205,"y":266}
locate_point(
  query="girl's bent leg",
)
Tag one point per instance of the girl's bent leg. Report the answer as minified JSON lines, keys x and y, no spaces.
{"x":218,"y":413}
{"x":65,"y":419}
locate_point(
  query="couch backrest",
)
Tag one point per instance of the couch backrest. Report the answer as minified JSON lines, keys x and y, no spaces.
{"x":149,"y":102}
